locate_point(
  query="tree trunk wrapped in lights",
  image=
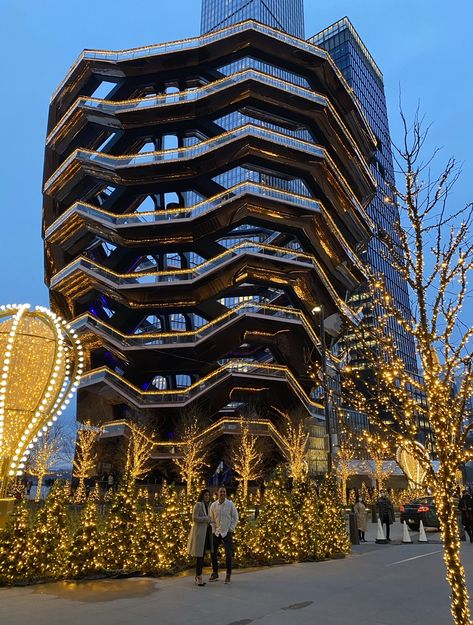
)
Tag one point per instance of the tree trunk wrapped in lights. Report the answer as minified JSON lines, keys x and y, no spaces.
{"x":138,"y":454}
{"x":296,"y":440}
{"x":433,"y":252}
{"x":86,"y":457}
{"x":343,"y":460}
{"x":244,"y":530}
{"x":379,"y":465}
{"x":306,"y":531}
{"x":246,"y":459}
{"x":14,"y":544}
{"x":49,"y":540}
{"x":192,"y":451}
{"x":46,"y":453}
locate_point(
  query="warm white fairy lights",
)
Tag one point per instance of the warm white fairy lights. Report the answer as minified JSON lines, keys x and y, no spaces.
{"x":41,"y":361}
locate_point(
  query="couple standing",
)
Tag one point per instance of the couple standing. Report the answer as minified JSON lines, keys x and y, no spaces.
{"x":212,"y":525}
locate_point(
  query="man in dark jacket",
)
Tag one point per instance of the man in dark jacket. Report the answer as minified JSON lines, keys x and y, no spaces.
{"x":465,"y":506}
{"x":386,"y":512}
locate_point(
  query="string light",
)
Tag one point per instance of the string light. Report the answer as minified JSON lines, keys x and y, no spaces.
{"x":193,"y":453}
{"x":247,"y":459}
{"x":40,"y":369}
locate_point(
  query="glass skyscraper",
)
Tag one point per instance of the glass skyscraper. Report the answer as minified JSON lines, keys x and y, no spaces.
{"x":365,"y":78}
{"x":285,"y":15}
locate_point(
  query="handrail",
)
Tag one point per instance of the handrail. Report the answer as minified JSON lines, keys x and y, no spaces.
{"x":189,"y":152}
{"x":188,"y":44}
{"x":145,"y":277}
{"x":203,"y":40}
{"x":209,"y":431}
{"x":156,"y":277}
{"x":189,"y":336}
{"x":189,"y":95}
{"x":223,"y":198}
{"x":188,"y":393}
{"x":153,"y":339}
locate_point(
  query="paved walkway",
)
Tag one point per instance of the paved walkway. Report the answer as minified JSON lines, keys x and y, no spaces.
{"x":376,"y":585}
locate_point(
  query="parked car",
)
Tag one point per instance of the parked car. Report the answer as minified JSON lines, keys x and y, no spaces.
{"x":422,"y":509}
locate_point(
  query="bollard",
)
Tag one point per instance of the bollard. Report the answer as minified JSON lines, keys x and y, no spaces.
{"x":354,"y":536}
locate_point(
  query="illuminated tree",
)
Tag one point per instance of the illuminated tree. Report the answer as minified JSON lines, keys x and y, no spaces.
{"x":46,"y":452}
{"x":272,"y":539}
{"x":296,"y":439}
{"x":14,"y":542}
{"x":116,"y":542}
{"x":343,"y":461}
{"x":246,"y":458}
{"x":84,"y":551}
{"x":243,"y":536}
{"x":366,"y":495}
{"x":173,"y":521}
{"x":49,"y":539}
{"x":433,"y":252}
{"x":86,"y":457}
{"x":379,"y":465}
{"x":192,"y":451}
{"x":305,"y":535}
{"x":146,"y":542}
{"x":330,"y":520}
{"x":138,"y":453}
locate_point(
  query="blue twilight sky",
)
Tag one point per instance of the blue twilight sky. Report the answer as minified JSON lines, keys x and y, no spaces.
{"x":424,"y":45}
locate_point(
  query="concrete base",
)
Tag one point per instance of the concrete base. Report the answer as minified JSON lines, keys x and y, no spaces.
{"x":6,"y":508}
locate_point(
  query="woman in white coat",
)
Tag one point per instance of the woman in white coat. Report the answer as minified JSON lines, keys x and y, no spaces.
{"x":361,"y":516}
{"x":200,"y":536}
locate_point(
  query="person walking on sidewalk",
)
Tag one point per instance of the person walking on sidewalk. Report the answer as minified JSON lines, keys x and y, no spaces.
{"x":465,"y":506}
{"x":200,"y":536}
{"x":224,"y":519}
{"x":386,"y":512}
{"x":361,"y":517}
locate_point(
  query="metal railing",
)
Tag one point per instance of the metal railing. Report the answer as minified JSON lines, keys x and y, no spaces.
{"x":189,"y":44}
{"x":186,"y":153}
{"x":190,"y":95}
{"x":183,"y":395}
{"x":156,"y":277}
{"x":175,"y":338}
{"x":206,"y":206}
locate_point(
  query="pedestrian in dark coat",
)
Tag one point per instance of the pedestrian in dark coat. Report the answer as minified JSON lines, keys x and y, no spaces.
{"x":200,"y":536}
{"x":385,"y":512}
{"x":465,"y":506}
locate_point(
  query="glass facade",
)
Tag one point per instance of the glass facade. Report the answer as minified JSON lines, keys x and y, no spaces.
{"x":366,"y":80}
{"x":285,"y":15}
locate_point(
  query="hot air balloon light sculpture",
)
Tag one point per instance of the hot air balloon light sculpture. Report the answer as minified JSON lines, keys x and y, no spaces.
{"x":41,"y":361}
